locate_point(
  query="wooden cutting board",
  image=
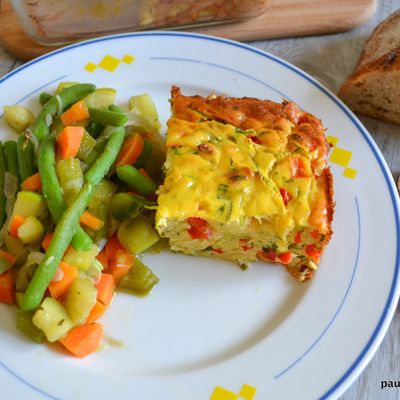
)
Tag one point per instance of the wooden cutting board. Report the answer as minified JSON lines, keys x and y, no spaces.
{"x":283,"y":18}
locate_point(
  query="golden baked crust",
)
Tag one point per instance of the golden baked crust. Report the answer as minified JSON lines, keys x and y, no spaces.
{"x":246,"y":179}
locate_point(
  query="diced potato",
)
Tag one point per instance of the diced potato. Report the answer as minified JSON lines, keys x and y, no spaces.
{"x":52,"y":318}
{"x":101,"y":98}
{"x":137,"y":234}
{"x":31,"y":231}
{"x":81,"y":259}
{"x":63,"y":85}
{"x":19,"y":118}
{"x":80,"y":299}
{"x":25,"y":325}
{"x":70,"y":175}
{"x":29,"y":203}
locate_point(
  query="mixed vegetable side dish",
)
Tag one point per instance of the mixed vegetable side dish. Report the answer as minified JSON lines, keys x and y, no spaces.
{"x":77,"y":200}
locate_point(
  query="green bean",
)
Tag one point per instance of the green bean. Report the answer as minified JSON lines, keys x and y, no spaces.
{"x":115,"y":108}
{"x":51,"y":189}
{"x":136,"y":180}
{"x":44,"y":98}
{"x":107,"y":117}
{"x":26,"y":157}
{"x":94,"y":128}
{"x":70,"y":220}
{"x":2,"y":180}
{"x":65,"y":98}
{"x":10,"y":154}
{"x":101,"y":166}
{"x":144,"y":155}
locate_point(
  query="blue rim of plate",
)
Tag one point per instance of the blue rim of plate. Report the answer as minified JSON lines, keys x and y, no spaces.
{"x":388,"y":311}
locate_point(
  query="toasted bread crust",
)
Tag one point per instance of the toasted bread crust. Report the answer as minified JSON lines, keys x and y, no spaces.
{"x":384,"y":38}
{"x":374,"y":89}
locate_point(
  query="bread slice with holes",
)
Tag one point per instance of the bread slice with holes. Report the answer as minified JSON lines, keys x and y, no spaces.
{"x":374,"y":87}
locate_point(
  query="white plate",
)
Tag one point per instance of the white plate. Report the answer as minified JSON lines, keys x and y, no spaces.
{"x":209,"y":330}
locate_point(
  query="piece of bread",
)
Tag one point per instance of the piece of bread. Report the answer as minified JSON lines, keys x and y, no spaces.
{"x":374,"y":87}
{"x":246,"y":179}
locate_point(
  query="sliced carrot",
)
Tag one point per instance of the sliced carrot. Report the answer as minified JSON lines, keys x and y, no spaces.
{"x":91,"y":221}
{"x":105,"y":288}
{"x":7,"y":291}
{"x":131,"y":150}
{"x":32,"y":183}
{"x":47,"y":240}
{"x":59,"y":288}
{"x":120,"y":265}
{"x":8,"y":256}
{"x":103,"y":259}
{"x":112,"y":246}
{"x":78,"y":112}
{"x":16,"y":221}
{"x":83,"y":340}
{"x":96,"y":312}
{"x":69,"y":141}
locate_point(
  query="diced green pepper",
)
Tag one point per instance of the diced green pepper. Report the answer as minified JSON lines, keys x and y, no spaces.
{"x":139,"y":280}
{"x":87,"y":145}
{"x":5,"y":265}
{"x":104,"y":192}
{"x":25,"y":325}
{"x":99,"y":207}
{"x":70,"y":176}
{"x":24,"y":276}
{"x":124,"y":205}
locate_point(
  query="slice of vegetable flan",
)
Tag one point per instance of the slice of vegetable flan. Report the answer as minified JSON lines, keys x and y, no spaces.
{"x":246,"y":179}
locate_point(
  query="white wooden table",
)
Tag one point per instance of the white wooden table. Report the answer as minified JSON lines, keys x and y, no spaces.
{"x":331,"y":59}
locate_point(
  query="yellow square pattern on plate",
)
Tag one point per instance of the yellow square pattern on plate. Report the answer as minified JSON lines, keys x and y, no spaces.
{"x":247,"y":392}
{"x":109,"y":63}
{"x":341,"y":157}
